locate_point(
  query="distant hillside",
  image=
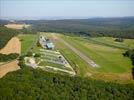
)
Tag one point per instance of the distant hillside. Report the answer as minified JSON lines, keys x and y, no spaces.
{"x":116,"y":27}
{"x":39,"y":85}
{"x":3,"y":22}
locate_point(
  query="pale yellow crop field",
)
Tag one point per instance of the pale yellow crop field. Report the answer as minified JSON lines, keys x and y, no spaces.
{"x":13,"y":46}
{"x":17,"y":26}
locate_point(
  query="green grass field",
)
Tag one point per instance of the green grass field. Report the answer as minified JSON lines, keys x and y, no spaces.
{"x":26,"y":42}
{"x":76,"y":62}
{"x":108,"y":41}
{"x":110,"y":59}
{"x":43,"y":63}
{"x":104,"y":51}
{"x":79,"y":65}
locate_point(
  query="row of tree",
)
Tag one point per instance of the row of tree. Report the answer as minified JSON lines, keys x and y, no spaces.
{"x":130,"y":54}
{"x":35,"y":84}
{"x":8,"y":57}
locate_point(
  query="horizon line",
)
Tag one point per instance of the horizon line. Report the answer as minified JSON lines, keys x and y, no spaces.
{"x":63,"y":17}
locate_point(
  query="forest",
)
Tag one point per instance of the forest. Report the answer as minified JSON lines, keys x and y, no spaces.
{"x":115,"y":27}
{"x":31,"y":84}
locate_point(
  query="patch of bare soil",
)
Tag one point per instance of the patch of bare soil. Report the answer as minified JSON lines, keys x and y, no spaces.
{"x":8,"y":67}
{"x":13,"y":46}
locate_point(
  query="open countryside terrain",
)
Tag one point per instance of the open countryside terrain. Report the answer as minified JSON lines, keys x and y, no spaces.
{"x":75,"y":53}
{"x":8,"y":67}
{"x":112,"y":64}
{"x":26,"y":42}
{"x":13,"y":46}
{"x":50,"y":60}
{"x":103,"y":55}
{"x":108,"y":41}
{"x":103,"y":51}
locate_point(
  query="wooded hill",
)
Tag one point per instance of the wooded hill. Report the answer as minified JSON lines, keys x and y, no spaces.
{"x":36,"y":84}
{"x":115,"y":27}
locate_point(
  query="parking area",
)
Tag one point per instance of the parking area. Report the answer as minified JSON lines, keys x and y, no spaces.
{"x":50,"y":59}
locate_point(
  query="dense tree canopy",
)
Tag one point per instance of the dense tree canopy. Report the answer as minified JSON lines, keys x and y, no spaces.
{"x":115,"y":27}
{"x":39,"y":85}
{"x":8,"y":57}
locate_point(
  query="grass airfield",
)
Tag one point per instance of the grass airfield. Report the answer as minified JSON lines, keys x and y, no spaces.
{"x":104,"y":51}
{"x":110,"y":59}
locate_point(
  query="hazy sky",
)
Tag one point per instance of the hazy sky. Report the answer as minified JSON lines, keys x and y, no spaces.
{"x":27,"y":9}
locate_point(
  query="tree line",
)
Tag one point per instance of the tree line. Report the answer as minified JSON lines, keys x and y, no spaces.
{"x":113,"y":27}
{"x":130,"y":54}
{"x":35,"y":84}
{"x":8,"y":57}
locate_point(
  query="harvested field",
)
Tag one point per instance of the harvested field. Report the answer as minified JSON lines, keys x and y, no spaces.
{"x":17,"y":26}
{"x":13,"y":46}
{"x":8,"y":67}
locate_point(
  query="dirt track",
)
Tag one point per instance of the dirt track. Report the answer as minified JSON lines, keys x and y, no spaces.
{"x":9,"y":67}
{"x":13,"y":46}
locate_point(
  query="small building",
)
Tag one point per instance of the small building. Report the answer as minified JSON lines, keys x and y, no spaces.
{"x":50,"y":45}
{"x":46,"y":43}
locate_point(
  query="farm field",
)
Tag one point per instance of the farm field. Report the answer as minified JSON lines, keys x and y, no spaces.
{"x":26,"y":42}
{"x":13,"y":46}
{"x":17,"y":26}
{"x":8,"y":67}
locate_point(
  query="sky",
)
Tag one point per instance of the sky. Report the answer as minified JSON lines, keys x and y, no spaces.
{"x":41,"y":9}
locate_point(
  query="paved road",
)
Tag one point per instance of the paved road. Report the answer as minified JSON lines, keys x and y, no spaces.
{"x":83,"y":56}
